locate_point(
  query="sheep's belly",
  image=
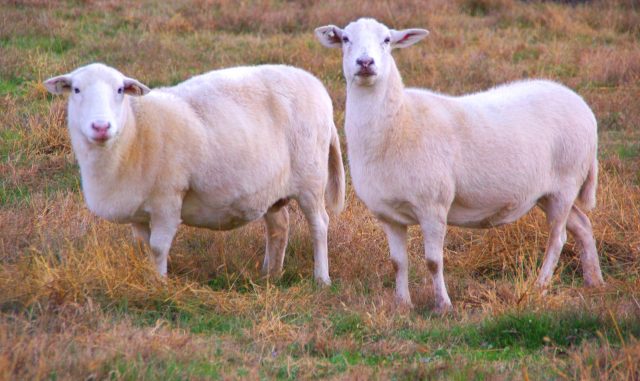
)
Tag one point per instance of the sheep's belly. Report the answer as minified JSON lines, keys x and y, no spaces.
{"x":394,"y":211}
{"x":199,"y":214}
{"x":487,"y":217}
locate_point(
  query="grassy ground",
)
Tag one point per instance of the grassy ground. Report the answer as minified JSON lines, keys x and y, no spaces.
{"x":78,"y":300}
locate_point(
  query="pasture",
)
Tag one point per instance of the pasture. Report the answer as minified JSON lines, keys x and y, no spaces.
{"x":79,"y":299}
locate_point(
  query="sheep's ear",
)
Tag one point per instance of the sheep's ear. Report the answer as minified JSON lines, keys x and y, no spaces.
{"x":329,"y":36}
{"x":58,"y":85}
{"x":135,"y":88}
{"x":407,"y":37}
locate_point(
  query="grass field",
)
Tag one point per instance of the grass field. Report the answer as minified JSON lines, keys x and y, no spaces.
{"x":79,"y":300}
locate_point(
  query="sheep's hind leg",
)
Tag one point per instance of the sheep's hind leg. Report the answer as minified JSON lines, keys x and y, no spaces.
{"x":580,"y":227}
{"x":277,"y":226}
{"x":312,"y":206}
{"x":557,"y":209}
{"x":397,"y":238}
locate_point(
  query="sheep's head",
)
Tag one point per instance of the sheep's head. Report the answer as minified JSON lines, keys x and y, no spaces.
{"x":366,"y":47}
{"x":96,"y":101}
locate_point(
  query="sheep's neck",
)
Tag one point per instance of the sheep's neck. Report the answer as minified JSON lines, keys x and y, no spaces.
{"x":372,"y":112}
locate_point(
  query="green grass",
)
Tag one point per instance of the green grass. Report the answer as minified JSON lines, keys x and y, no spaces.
{"x":12,"y":86}
{"x":519,"y":334}
{"x":513,"y":339}
{"x":195,"y":319}
{"x":629,"y":151}
{"x":12,"y":194}
{"x":8,"y":139}
{"x":348,"y":324}
{"x":478,"y":8}
{"x":159,"y":369}
{"x":517,"y":338}
{"x":525,"y":54}
{"x":230,"y":281}
{"x":341,"y":360}
{"x":64,"y":180}
{"x":28,"y":42}
{"x":290,"y":278}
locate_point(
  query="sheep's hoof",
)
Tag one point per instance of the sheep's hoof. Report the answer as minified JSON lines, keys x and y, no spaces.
{"x":403,"y":304}
{"x":443,"y":309}
{"x":541,"y":287}
{"x":542,"y":284}
{"x":323,"y":282}
{"x":403,"y":300}
{"x":594,"y":283}
{"x":163,"y":279}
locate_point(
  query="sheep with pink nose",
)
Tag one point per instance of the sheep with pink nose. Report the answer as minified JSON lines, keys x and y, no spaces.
{"x":216,"y":151}
{"x":479,"y":160}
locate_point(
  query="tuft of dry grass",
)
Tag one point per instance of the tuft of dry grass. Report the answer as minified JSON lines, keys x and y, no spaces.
{"x":79,"y":299}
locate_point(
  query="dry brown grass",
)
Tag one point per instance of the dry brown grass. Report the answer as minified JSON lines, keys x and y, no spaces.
{"x":78,"y":298}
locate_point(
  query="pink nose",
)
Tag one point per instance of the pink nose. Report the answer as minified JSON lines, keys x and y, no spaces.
{"x":100,"y":126}
{"x":365,"y":62}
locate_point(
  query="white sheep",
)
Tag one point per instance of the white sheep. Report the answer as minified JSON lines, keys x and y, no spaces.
{"x":217,"y":151}
{"x":479,"y":160}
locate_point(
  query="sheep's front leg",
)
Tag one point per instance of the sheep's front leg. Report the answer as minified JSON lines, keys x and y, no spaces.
{"x":163,"y":229}
{"x":277,"y":224}
{"x":434,"y":231}
{"x":397,"y":237}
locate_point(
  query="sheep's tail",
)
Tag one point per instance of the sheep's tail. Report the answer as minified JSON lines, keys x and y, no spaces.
{"x":587,"y":195}
{"x":335,"y":190}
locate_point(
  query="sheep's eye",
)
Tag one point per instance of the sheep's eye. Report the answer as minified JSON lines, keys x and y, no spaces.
{"x":121,"y":90}
{"x":387,"y":40}
{"x":345,"y":39}
{"x":76,"y":90}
